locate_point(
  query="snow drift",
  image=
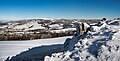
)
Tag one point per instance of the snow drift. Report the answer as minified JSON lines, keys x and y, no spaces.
{"x":98,"y":45}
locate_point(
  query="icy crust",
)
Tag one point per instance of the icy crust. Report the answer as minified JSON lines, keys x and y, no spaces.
{"x":102,"y":45}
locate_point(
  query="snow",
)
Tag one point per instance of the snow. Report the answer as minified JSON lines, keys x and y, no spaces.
{"x":86,"y":25}
{"x":114,"y":21}
{"x":11,"y":48}
{"x":103,"y":44}
{"x":2,"y":27}
{"x":29,"y":26}
{"x":98,"y":28}
{"x":63,"y":30}
{"x":56,"y":26}
{"x":35,"y":28}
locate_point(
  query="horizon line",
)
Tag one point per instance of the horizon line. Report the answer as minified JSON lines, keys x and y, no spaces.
{"x":54,"y":18}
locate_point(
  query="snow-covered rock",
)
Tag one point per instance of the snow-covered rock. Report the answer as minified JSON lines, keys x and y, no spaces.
{"x":103,"y":45}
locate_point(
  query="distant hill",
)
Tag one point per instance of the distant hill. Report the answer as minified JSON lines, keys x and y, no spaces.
{"x":28,"y":29}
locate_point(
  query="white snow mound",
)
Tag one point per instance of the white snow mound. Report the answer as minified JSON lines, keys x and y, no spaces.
{"x":102,"y":45}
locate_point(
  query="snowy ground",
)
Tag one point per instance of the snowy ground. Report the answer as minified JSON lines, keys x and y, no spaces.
{"x":100,"y":44}
{"x":11,"y":48}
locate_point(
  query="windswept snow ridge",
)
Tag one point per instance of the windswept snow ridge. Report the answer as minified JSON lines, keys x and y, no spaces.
{"x":102,"y":45}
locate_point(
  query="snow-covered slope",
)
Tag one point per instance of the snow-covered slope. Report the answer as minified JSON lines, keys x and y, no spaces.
{"x":29,"y":26}
{"x":102,"y":45}
{"x":11,"y":48}
{"x":63,"y":30}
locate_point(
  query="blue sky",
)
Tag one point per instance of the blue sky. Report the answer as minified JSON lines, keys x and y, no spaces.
{"x":25,"y":9}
